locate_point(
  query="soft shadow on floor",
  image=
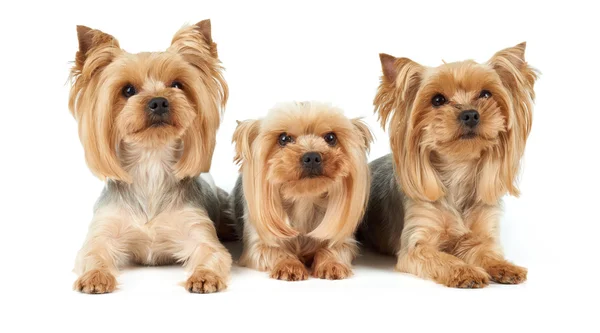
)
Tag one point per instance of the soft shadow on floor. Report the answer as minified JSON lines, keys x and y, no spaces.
{"x":366,"y":258}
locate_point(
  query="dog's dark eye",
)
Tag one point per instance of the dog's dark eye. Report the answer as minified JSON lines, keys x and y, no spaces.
{"x":330,"y":138}
{"x":284,"y":139}
{"x":438,"y":100}
{"x":128,"y":91}
{"x":485,"y":94}
{"x":177,"y":84}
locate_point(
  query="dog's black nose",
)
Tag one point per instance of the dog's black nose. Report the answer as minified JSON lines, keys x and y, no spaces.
{"x":312,"y":161}
{"x":158,"y":106}
{"x":469,"y":118}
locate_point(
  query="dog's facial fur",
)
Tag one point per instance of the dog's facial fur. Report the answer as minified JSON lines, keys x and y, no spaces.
{"x":423,"y":134}
{"x":112,"y":91}
{"x":273,"y":171}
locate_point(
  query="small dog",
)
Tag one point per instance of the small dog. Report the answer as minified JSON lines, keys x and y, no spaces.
{"x":148,"y":123}
{"x":457,"y":134}
{"x":302,"y":191}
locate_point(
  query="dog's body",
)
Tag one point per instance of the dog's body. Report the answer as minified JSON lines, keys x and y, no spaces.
{"x":148,"y":122}
{"x":457,"y":134}
{"x":289,"y":215}
{"x":304,"y":215}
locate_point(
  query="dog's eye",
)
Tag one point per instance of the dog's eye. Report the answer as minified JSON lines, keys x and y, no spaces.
{"x":330,"y":138}
{"x":128,"y":91}
{"x":438,"y":100}
{"x":284,"y":139}
{"x":485,"y":94}
{"x":177,"y":84}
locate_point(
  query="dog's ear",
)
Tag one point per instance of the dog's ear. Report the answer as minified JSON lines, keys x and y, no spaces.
{"x":398,"y":88}
{"x":518,"y":79}
{"x":364,"y":132}
{"x":96,"y":42}
{"x":96,"y":51}
{"x":244,"y":135}
{"x":395,"y":97}
{"x":194,"y":44}
{"x":205,"y":28}
{"x":194,"y":39}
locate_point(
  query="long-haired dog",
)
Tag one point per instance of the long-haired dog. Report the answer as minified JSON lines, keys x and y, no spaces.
{"x":302,"y":191}
{"x":148,"y":123}
{"x":457,"y":134}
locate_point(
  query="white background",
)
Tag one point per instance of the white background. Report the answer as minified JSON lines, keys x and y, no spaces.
{"x":301,"y":51}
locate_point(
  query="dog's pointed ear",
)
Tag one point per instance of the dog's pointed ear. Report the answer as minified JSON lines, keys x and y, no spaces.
{"x":516,"y":75}
{"x":399,"y":83}
{"x":388,"y":66}
{"x":364,"y":131}
{"x":518,"y":79}
{"x":91,"y":40}
{"x":194,"y":39}
{"x":205,"y":29}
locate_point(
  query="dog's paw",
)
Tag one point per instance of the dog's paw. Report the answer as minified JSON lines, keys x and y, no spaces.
{"x":507,"y":273}
{"x":203,"y":281}
{"x":465,"y":276}
{"x":96,"y":281}
{"x":331,"y":271}
{"x":290,"y":270}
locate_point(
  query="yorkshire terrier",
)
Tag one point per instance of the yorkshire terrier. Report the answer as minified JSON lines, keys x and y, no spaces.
{"x":302,"y":191}
{"x":457,"y":134}
{"x":148,"y":123}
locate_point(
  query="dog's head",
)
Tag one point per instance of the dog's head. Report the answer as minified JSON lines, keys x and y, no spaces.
{"x":304,"y":150}
{"x":147,"y":99}
{"x":455,"y":112}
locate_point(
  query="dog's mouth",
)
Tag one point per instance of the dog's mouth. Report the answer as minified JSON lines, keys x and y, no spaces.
{"x":312,"y":173}
{"x":469,"y":135}
{"x":159,"y":123}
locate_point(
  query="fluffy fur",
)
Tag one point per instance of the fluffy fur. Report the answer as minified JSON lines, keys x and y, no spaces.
{"x":288,"y":219}
{"x":436,"y":200}
{"x":154,"y":209}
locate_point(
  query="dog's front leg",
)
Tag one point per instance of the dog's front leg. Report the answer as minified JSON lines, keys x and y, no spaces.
{"x":481,"y":247}
{"x":335,"y":262}
{"x":106,"y":247}
{"x":277,"y":259}
{"x":426,"y":233}
{"x":190,"y":236}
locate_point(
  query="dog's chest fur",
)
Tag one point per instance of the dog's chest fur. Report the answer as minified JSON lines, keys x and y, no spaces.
{"x":154,"y":188}
{"x":305,"y":214}
{"x":460,"y":180}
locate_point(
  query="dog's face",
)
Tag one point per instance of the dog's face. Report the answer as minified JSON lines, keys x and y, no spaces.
{"x":303,"y":150}
{"x":154,"y":96}
{"x":148,"y":99}
{"x":457,"y":112}
{"x":463,"y":108}
{"x":306,"y":150}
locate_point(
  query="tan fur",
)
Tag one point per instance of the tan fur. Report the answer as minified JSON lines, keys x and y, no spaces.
{"x":148,"y":219}
{"x":100,"y":62}
{"x":291,"y":218}
{"x":453,"y":186}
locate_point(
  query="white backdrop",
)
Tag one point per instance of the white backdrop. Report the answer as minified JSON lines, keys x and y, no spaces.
{"x":300,"y":50}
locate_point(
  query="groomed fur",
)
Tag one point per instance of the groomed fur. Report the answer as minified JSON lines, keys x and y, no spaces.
{"x":449,"y":178}
{"x":289,"y":220}
{"x":154,"y":209}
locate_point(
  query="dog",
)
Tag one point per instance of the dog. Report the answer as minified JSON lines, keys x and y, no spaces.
{"x":457,"y":134}
{"x":148,"y":124}
{"x":302,"y":191}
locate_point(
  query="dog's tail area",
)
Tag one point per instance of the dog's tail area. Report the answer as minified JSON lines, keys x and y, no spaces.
{"x":226,"y":225}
